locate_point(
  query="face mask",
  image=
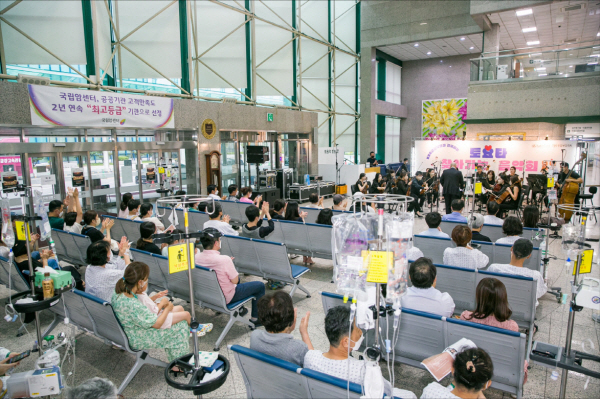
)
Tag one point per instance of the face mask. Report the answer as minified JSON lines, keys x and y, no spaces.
{"x":98,"y":222}
{"x":217,"y":192}
{"x":358,"y":343}
{"x":144,"y":286}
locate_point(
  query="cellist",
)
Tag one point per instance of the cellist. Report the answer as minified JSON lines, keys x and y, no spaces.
{"x":573,"y":178}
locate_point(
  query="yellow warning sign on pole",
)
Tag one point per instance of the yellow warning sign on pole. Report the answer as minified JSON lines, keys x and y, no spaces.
{"x":379,"y":262}
{"x":478,"y":188}
{"x":586,"y":262}
{"x":20,"y":225}
{"x":178,"y":260}
{"x":550,"y":182}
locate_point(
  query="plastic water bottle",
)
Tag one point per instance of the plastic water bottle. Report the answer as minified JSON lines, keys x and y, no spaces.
{"x":569,"y":266}
{"x":554,"y":374}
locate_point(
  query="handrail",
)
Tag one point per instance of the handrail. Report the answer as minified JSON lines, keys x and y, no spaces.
{"x":536,"y":52}
{"x":596,"y":41}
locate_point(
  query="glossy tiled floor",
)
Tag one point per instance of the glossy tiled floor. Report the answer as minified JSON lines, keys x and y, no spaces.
{"x":94,"y":358}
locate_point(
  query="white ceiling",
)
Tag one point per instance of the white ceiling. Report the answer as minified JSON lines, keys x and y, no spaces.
{"x":554,"y":26}
{"x":439,"y":48}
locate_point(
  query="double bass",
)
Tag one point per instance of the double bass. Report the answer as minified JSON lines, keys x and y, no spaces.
{"x":569,"y":191}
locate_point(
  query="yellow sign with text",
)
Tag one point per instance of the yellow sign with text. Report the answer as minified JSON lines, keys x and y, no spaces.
{"x":478,"y":188}
{"x":178,"y":260}
{"x":20,"y":225}
{"x":586,"y":262}
{"x":550,"y":182}
{"x":161,"y":170}
{"x":379,"y":262}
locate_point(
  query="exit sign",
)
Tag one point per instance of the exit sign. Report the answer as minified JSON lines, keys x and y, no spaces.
{"x":269,"y":117}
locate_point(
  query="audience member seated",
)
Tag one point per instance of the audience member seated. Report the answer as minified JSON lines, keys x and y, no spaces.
{"x":315,"y":201}
{"x":292,"y":213}
{"x":228,"y":277}
{"x":512,"y":228}
{"x":279,"y":208}
{"x":433,"y":220}
{"x":520,"y":252}
{"x":145,"y":243}
{"x":215,"y":220}
{"x":141,"y":325}
{"x":423,"y":296}
{"x":531,"y":216}
{"x":277,"y":313}
{"x":165,"y":249}
{"x":146,"y":215}
{"x":336,"y":361}
{"x":213,"y":191}
{"x":476,"y":226}
{"x":414,"y":253}
{"x":339,"y":202}
{"x":134,"y":209}
{"x":103,"y":269}
{"x":472,"y":372}
{"x":464,"y":255}
{"x":55,"y":210}
{"x":491,"y":307}
{"x":94,"y":388}
{"x":233,"y":191}
{"x":123,"y":210}
{"x":457,"y":207}
{"x":74,"y":214}
{"x":324,"y":217}
{"x":20,"y":251}
{"x":94,"y":226}
{"x":491,"y":218}
{"x":246,"y":194}
{"x":254,"y":228}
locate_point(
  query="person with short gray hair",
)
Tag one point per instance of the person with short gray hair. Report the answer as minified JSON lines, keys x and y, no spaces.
{"x":476,"y":226}
{"x":339,"y":202}
{"x":94,"y":388}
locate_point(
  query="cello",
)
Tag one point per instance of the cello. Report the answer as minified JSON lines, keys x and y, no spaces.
{"x":569,"y":191}
{"x":502,"y":197}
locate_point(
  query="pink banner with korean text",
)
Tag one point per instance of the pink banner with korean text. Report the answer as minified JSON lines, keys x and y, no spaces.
{"x":525,"y":156}
{"x":70,"y":107}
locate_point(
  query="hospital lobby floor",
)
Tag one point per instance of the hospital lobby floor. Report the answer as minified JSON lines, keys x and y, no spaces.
{"x":94,"y":358}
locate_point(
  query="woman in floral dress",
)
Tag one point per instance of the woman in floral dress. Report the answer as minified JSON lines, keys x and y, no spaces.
{"x":140,"y":324}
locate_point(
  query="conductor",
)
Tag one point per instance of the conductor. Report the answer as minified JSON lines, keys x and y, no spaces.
{"x":452,"y":180}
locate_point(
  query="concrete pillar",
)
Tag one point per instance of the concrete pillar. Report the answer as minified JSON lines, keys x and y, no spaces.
{"x":491,"y":41}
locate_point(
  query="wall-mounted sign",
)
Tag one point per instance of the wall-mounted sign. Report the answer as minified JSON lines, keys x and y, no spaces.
{"x":209,"y":129}
{"x":269,"y":117}
{"x":582,"y":129}
{"x":71,"y":107}
{"x":9,"y":180}
{"x":150,"y":173}
{"x":48,"y":180}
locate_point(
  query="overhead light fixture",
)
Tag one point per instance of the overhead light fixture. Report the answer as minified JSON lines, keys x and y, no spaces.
{"x":533,"y":55}
{"x":527,"y":11}
{"x":471,"y":48}
{"x":529,"y":29}
{"x":533,"y":43}
{"x":451,"y":65}
{"x":441,"y":60}
{"x":462,"y":38}
{"x":593,"y":63}
{"x":423,"y":23}
{"x":543,"y":74}
{"x":540,"y":69}
{"x":598,"y":34}
{"x":429,"y":53}
{"x":416,"y":44}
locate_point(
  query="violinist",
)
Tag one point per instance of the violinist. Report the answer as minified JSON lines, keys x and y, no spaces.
{"x":545,"y":169}
{"x":401,"y":186}
{"x":488,"y":183}
{"x":513,"y":171}
{"x":378,"y":185}
{"x":512,"y":200}
{"x":433,"y":182}
{"x":416,"y":187}
{"x":362,"y":184}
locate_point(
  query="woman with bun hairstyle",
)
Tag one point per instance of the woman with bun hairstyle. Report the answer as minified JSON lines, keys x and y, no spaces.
{"x":472,"y":371}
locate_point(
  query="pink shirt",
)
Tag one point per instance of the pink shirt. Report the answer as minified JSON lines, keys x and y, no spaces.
{"x":246,"y":200}
{"x":491,"y":321}
{"x":223,"y":266}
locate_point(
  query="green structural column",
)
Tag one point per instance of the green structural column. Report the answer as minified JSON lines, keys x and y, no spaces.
{"x":183,"y":44}
{"x":295,"y":54}
{"x":248,"y":90}
{"x":330,"y":67}
{"x":88,"y":35}
{"x":356,"y":91}
{"x":381,"y":70}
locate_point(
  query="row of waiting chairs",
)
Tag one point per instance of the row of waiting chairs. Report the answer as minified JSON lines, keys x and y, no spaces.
{"x":434,"y":248}
{"x":421,"y":335}
{"x":494,"y":232}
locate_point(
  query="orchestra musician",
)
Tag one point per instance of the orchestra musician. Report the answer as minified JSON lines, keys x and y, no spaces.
{"x":575,"y":178}
{"x":417,"y":186}
{"x":512,"y":200}
{"x":453,"y":182}
{"x":401,"y":187}
{"x":513,"y":171}
{"x":362,"y":184}
{"x":433,"y":182}
{"x":488,"y":183}
{"x":545,"y":169}
{"x":378,"y":185}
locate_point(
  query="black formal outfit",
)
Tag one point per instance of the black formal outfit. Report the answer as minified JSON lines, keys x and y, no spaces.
{"x":488,"y":185}
{"x":405,"y":167}
{"x":371,"y":161}
{"x":415,"y":191}
{"x":453,"y":182}
{"x":477,"y":236}
{"x":374,"y":189}
{"x":401,"y":188}
{"x":561,"y":180}
{"x":432,"y":196}
{"x":509,"y":203}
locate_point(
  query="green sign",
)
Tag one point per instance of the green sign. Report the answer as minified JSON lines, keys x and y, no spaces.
{"x":269,"y":117}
